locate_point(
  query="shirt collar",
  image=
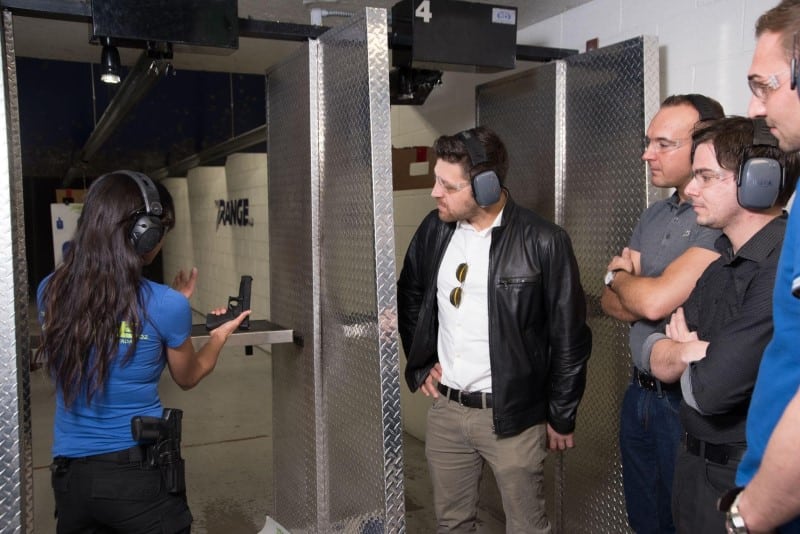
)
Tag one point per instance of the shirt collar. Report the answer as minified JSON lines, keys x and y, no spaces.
{"x":464,"y":225}
{"x":675,"y":203}
{"x":757,"y":247}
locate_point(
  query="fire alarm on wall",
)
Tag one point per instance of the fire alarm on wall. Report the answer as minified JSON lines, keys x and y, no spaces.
{"x":592,"y":44}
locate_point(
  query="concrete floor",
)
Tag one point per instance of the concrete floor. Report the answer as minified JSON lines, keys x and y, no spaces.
{"x":227,"y":444}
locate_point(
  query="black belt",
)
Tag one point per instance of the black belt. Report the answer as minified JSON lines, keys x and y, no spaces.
{"x":127,"y":456}
{"x":719,"y":454}
{"x":649,"y":382}
{"x":470,"y":400}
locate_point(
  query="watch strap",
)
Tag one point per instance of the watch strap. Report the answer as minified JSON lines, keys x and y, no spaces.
{"x":729,"y":503}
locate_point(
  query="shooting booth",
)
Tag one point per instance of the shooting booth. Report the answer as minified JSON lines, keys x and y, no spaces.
{"x":573,"y":128}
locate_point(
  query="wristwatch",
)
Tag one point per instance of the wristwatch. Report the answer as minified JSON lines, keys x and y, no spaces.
{"x":609,"y":279}
{"x":729,"y":503}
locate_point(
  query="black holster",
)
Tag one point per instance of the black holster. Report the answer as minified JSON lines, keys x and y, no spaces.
{"x":162,"y":438}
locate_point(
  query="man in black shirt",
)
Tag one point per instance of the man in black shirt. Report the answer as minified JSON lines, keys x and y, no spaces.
{"x":713,"y":344}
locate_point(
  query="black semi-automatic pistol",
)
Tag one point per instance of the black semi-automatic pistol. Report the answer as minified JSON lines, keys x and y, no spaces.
{"x":236,"y":305}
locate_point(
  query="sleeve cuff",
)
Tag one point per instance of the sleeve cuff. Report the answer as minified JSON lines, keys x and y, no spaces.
{"x":687,"y":392}
{"x":643,"y":361}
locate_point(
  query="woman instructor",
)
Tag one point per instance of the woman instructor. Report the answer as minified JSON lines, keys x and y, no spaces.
{"x":107,"y":334}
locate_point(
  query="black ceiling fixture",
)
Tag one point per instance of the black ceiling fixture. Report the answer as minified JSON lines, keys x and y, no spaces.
{"x":109,"y":63}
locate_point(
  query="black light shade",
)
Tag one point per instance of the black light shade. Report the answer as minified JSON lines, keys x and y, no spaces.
{"x":109,"y":64}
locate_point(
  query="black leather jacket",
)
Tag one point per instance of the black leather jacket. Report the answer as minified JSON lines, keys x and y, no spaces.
{"x":539,"y":341}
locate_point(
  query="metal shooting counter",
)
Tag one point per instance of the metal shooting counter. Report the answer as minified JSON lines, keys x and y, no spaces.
{"x":261,"y":332}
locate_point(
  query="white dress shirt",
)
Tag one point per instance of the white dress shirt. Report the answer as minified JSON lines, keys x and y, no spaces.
{"x":463,"y":343}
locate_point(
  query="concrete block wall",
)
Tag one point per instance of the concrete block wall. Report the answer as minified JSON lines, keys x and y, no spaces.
{"x":221,"y":252}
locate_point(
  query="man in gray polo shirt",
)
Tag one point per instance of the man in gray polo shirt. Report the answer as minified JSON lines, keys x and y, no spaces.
{"x":668,"y":252}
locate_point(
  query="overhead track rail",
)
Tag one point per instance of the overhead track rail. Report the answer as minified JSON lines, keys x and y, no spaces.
{"x":138,"y":82}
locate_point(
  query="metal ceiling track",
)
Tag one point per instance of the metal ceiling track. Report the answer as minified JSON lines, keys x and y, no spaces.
{"x":141,"y":78}
{"x":235,"y":144}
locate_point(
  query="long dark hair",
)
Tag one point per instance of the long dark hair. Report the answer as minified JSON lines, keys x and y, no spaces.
{"x":94,"y":290}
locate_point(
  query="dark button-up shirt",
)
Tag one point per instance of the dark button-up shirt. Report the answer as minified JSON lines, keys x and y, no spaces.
{"x":731,"y":308}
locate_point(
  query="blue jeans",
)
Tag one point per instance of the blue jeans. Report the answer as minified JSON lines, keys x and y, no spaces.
{"x":649,"y":437}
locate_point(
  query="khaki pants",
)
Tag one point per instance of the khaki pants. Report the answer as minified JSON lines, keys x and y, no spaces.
{"x":458,"y":442}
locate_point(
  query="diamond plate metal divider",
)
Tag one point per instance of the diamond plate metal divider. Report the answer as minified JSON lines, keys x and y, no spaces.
{"x":573,"y":129}
{"x":16,"y":481}
{"x":383,"y":215}
{"x":523,"y":110}
{"x":520,"y":109}
{"x":358,"y":305}
{"x":338,"y":449}
{"x":294,"y":286}
{"x":605,"y":110}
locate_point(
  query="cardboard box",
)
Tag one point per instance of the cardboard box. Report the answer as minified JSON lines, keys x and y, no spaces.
{"x":412,"y":168}
{"x":77,"y":195}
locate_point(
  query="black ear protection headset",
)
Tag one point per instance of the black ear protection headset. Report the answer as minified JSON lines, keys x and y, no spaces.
{"x":485,"y":184}
{"x":146,"y":228}
{"x":760,"y":179}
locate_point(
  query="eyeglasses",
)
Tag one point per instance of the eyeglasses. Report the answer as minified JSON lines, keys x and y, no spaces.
{"x":661,"y":144}
{"x":762,"y":90}
{"x":706,"y":178}
{"x":448,"y":187}
{"x":461,"y":275}
{"x":793,"y":77}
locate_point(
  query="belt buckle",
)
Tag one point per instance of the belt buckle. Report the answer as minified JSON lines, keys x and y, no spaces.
{"x":645,"y":381}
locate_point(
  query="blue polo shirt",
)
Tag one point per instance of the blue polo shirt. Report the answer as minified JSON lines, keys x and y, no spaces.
{"x":779,"y":373}
{"x":131,"y":388}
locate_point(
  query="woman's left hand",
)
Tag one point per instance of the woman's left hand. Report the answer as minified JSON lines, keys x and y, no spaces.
{"x":185,"y":284}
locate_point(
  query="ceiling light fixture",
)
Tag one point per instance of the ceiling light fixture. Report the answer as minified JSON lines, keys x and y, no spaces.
{"x":109,"y":63}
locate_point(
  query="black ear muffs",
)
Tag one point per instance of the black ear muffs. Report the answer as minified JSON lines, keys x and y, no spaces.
{"x":760,"y":179}
{"x":146,"y":228}
{"x":485,"y":184}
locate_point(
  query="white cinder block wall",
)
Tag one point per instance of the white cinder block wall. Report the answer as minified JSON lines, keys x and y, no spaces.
{"x":705,"y":45}
{"x":222,"y":253}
